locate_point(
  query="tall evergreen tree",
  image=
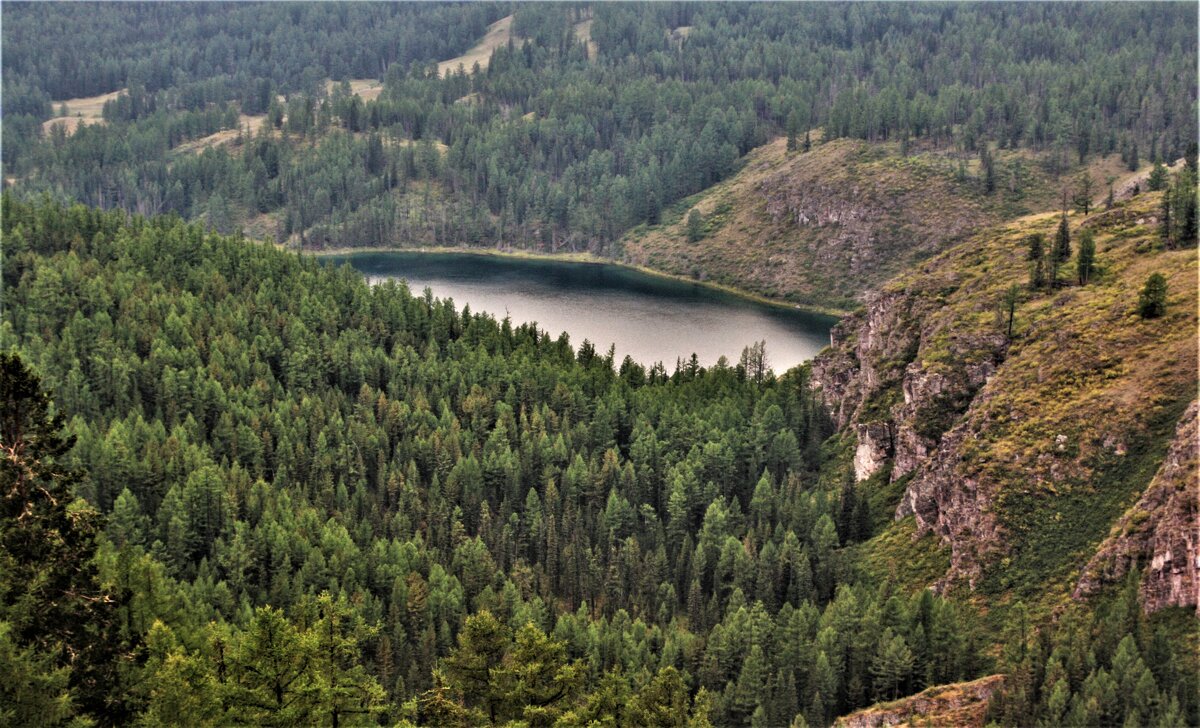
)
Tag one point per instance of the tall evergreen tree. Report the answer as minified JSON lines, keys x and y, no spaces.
{"x":1036,"y":255}
{"x":57,"y":620}
{"x":1061,"y":252}
{"x":1085,"y":260}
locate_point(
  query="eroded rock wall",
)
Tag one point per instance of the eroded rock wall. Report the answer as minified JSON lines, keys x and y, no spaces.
{"x":1160,"y":533}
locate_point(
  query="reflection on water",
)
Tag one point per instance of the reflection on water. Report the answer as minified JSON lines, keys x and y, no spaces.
{"x":647,"y":317}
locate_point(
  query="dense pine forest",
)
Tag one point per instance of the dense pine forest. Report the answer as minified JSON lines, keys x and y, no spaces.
{"x":586,"y":122}
{"x":244,"y":486}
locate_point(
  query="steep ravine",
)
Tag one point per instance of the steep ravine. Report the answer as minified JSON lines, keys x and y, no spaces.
{"x":1022,"y":454}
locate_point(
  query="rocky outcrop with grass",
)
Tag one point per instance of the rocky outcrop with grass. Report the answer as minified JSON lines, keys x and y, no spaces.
{"x":1160,"y":534}
{"x":963,"y":705}
{"x":1021,"y":453}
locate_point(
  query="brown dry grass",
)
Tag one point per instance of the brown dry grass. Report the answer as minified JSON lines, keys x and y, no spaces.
{"x":81,"y":111}
{"x":368,"y":89}
{"x":956,"y":704}
{"x":818,"y":228}
{"x":247,"y":126}
{"x":583,"y":33}
{"x":497,"y":35}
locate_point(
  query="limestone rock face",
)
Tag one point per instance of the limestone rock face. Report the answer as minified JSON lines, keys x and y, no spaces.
{"x":1161,"y":532}
{"x":871,"y":354}
{"x":867,"y":353}
{"x":956,"y":507}
{"x":875,"y":446}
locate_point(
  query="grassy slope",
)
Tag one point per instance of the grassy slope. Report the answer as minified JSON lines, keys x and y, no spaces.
{"x":823,"y":226}
{"x":1084,"y":366}
{"x":81,"y":111}
{"x":1075,"y":421}
{"x":498,"y":34}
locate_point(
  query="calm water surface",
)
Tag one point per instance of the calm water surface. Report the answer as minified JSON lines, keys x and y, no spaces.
{"x":649,"y":318}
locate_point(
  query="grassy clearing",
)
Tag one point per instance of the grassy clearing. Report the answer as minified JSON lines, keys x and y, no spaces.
{"x":898,"y":555}
{"x":80,"y":112}
{"x":368,"y":89}
{"x":248,"y":126}
{"x":498,"y":34}
{"x":583,"y":33}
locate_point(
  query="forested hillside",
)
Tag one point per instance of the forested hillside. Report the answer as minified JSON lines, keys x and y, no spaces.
{"x":311,"y":500}
{"x":589,"y":121}
{"x":240,"y":485}
{"x":286,"y":456}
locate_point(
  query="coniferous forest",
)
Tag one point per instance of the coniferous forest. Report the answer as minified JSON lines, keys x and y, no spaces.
{"x":240,"y":485}
{"x":559,"y":144}
{"x":288,"y":498}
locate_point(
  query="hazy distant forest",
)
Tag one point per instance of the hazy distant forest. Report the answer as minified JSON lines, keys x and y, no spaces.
{"x":588,"y":121}
{"x":305,"y":500}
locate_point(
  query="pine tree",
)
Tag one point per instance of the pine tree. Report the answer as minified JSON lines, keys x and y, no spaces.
{"x":1061,"y":252}
{"x":1183,"y":203}
{"x":58,"y":620}
{"x":1083,"y":193}
{"x":1158,"y":178}
{"x":989,"y":170}
{"x":695,"y":226}
{"x":661,"y":701}
{"x":469,"y":669}
{"x":1037,"y":256}
{"x":1008,"y":308}
{"x":747,"y":692}
{"x":344,"y":688}
{"x":536,"y":681}
{"x":1085,"y":260}
{"x":1164,"y":220}
{"x":1152,"y":303}
{"x":892,"y":665}
{"x":271,"y":676}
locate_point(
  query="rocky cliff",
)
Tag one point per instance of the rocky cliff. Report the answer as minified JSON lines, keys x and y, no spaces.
{"x":961,"y":704}
{"x":1021,"y":452}
{"x":1160,"y":533}
{"x":821,"y":227}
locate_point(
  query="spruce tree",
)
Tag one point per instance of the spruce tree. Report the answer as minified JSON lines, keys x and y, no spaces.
{"x":1085,"y":259}
{"x":695,"y":226}
{"x":1012,"y":297}
{"x":1158,"y":178}
{"x":1152,"y":303}
{"x":1164,"y":219}
{"x":57,"y":618}
{"x":1061,"y":252}
{"x":1083,"y":193}
{"x":892,"y":665}
{"x":1036,"y":255}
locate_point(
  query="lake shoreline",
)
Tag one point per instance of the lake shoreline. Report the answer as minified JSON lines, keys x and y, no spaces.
{"x":588,"y":258}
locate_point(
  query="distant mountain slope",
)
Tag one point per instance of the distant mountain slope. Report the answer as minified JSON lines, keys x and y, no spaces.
{"x":1020,"y":453}
{"x":821,"y":227}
